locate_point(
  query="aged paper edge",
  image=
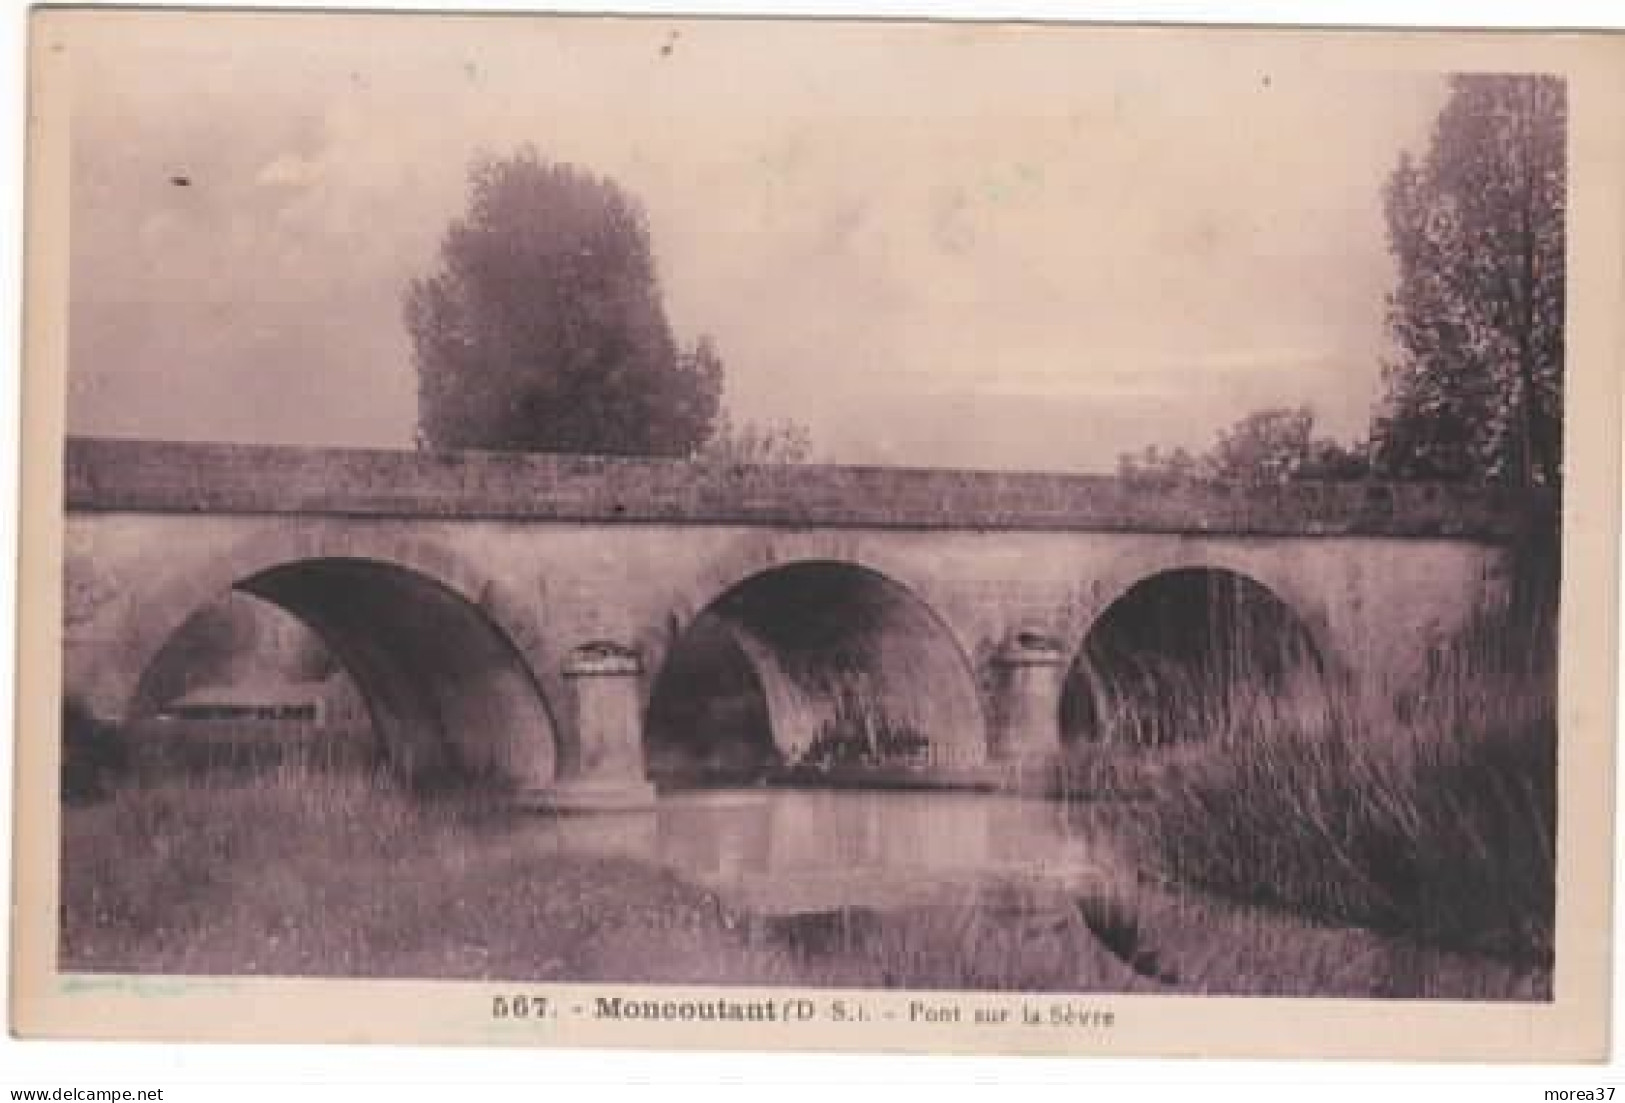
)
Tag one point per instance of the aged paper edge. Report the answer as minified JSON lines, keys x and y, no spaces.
{"x":1574,"y":1026}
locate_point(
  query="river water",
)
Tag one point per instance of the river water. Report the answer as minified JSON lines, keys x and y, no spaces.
{"x":784,"y":850}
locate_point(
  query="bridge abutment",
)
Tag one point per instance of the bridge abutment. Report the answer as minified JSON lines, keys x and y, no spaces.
{"x":609,"y":774}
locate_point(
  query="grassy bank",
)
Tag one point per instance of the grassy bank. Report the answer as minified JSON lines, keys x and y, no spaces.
{"x":306,"y":874}
{"x":299,"y":873}
{"x":1428,"y":816}
{"x":322,"y":875}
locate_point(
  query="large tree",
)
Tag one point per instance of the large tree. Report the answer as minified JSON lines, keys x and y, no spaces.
{"x":1477,"y":229}
{"x":543,"y":328}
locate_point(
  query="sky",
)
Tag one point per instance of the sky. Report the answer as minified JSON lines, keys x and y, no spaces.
{"x":1010,"y":248}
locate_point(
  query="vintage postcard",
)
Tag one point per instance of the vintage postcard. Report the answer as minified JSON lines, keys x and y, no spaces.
{"x":802,"y":534}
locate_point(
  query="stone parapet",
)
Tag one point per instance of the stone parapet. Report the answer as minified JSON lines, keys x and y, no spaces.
{"x":104,"y":474}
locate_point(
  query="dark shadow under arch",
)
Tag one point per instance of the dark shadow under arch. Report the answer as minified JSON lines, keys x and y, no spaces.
{"x":1181,"y":654}
{"x":450,"y":698}
{"x":816,"y":663}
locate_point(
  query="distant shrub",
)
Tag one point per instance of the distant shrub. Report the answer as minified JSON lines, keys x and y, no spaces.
{"x":839,"y":745}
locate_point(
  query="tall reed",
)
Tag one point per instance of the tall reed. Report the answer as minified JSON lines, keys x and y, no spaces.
{"x":1427,"y":810}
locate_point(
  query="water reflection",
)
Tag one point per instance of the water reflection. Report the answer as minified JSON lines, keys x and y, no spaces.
{"x":799,"y":849}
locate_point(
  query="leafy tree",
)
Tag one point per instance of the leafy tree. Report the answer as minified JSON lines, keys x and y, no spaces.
{"x":1331,"y":462}
{"x":1271,"y":445}
{"x":233,"y":640}
{"x":543,"y":328}
{"x":305,"y":658}
{"x":1154,"y":463}
{"x":1477,"y":229}
{"x":752,"y":442}
{"x":1265,"y":446}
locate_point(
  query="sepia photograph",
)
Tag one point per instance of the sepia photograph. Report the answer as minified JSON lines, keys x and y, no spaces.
{"x":819,"y":534}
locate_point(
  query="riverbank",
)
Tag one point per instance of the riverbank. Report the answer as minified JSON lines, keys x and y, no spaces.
{"x":332,"y":877}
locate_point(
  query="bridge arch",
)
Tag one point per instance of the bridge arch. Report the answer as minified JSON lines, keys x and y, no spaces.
{"x":822,"y":660}
{"x":440,"y":652}
{"x":1178,"y":652}
{"x":758,"y":552}
{"x":1302,"y":591}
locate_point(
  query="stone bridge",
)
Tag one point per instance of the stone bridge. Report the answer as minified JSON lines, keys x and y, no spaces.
{"x":515,"y":614}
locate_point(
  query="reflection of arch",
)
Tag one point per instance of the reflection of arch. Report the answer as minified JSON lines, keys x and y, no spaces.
{"x":424,"y":638}
{"x":841,"y":659}
{"x":1171,"y":655}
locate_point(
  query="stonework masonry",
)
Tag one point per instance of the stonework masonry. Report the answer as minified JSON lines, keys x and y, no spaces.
{"x":106,"y":474}
{"x":534,"y":599}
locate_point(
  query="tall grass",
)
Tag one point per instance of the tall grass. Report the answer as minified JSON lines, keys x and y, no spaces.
{"x":1428,"y":813}
{"x":294,"y":871}
{"x":1441,"y":827}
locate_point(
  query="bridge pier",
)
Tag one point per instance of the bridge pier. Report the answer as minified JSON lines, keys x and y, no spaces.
{"x":609,"y":775}
{"x":1026,"y":737}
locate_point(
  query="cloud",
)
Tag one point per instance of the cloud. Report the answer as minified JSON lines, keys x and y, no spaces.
{"x":290,"y":171}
